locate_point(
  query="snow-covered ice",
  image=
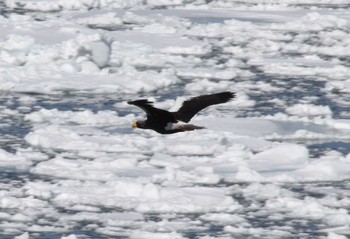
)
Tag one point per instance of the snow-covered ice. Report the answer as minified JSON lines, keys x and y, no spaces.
{"x":272,"y":163}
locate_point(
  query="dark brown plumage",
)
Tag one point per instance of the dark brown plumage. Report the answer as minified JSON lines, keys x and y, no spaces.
{"x":164,"y":122}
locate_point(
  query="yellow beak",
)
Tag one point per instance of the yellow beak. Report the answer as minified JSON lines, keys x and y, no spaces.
{"x":134,"y":125}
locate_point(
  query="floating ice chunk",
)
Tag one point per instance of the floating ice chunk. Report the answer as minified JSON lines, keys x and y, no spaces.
{"x":239,"y":126}
{"x":104,"y":20}
{"x":189,"y":50}
{"x":205,"y":85}
{"x":132,"y":18}
{"x":48,"y":6}
{"x":27,"y":203}
{"x":20,"y":218}
{"x":157,"y":28}
{"x":281,"y":157}
{"x":27,"y":100}
{"x":340,"y":124}
{"x":86,"y":117}
{"x":309,"y":110}
{"x":16,"y":48}
{"x":265,"y":191}
{"x":70,"y":67}
{"x":155,"y":235}
{"x":42,"y":228}
{"x":333,"y":235}
{"x":89,"y":67}
{"x":10,"y":161}
{"x":164,"y":2}
{"x":246,"y":174}
{"x":132,"y":43}
{"x":54,"y":136}
{"x":100,"y":52}
{"x":69,"y":138}
{"x":313,"y":21}
{"x":305,"y":61}
{"x":308,"y":208}
{"x":23,"y":236}
{"x":144,"y":198}
{"x":222,"y":218}
{"x":339,"y":219}
{"x":261,"y":232}
{"x":326,"y":168}
{"x":225,"y":74}
{"x":174,"y":176}
{"x":65,"y":168}
{"x":18,"y":43}
{"x":199,"y":199}
{"x":337,"y":72}
{"x":51,"y":81}
{"x":72,"y":236}
{"x":88,"y":47}
{"x":216,"y":30}
{"x":185,"y":149}
{"x":343,"y":86}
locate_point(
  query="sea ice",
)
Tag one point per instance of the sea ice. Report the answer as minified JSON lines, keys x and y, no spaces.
{"x":273,"y":162}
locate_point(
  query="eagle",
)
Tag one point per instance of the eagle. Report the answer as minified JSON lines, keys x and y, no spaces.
{"x":165,"y":122}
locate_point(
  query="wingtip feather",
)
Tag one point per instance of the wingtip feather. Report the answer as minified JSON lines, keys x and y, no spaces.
{"x":226,"y":96}
{"x":137,"y":102}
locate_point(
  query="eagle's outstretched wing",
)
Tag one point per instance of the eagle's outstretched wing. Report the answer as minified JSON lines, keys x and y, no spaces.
{"x":192,"y":106}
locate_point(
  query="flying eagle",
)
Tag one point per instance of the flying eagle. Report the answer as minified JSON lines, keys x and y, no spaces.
{"x":165,"y":122}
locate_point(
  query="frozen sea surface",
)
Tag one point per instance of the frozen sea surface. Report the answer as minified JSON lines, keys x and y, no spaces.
{"x":273,"y":163}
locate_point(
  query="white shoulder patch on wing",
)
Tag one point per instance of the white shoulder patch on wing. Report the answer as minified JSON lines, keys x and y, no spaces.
{"x":171,"y":126}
